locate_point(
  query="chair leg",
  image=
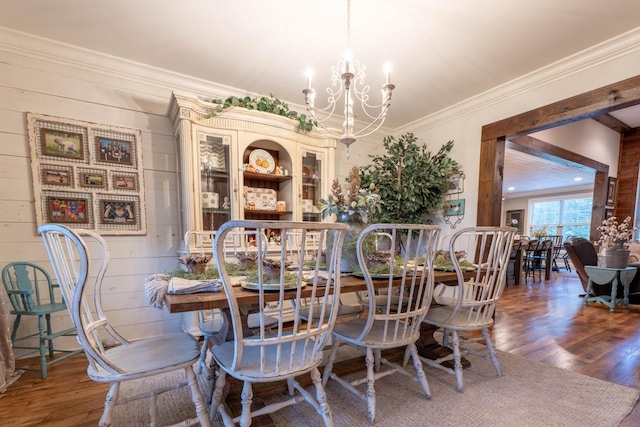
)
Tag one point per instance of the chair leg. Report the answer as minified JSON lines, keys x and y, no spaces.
{"x":196,"y":397}
{"x":246,"y":398}
{"x":492,"y":351}
{"x":203,"y":353}
{"x":457,"y":360}
{"x":321,"y":397}
{"x":332,"y":356}
{"x":49,"y":332}
{"x":216,"y":401}
{"x":110,"y":401}
{"x":371,"y":391}
{"x":377,"y":355}
{"x":417,"y":364}
{"x":43,"y":347}
{"x":14,"y":331}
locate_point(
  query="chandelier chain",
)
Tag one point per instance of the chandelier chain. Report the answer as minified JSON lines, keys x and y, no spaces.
{"x":348,"y":24}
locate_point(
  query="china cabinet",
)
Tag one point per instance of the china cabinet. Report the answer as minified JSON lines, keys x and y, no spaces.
{"x":247,"y":164}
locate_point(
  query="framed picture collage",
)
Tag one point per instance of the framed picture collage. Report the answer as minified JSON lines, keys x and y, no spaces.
{"x":87,"y":175}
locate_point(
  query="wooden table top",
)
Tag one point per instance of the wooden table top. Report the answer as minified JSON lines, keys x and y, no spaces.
{"x":209,"y":300}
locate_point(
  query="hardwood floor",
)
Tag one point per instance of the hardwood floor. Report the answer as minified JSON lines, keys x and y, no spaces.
{"x":543,"y":321}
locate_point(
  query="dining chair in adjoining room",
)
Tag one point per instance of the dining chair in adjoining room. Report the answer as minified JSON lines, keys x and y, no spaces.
{"x":32,"y":293}
{"x":515,"y":257}
{"x":80,"y":273}
{"x":405,"y":278}
{"x":294,"y":348}
{"x":470,"y":305}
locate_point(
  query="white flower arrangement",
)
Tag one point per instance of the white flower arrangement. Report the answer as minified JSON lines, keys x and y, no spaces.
{"x":358,"y":200}
{"x":613,"y":232}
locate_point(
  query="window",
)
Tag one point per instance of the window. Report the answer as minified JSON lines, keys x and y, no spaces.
{"x":567,"y":216}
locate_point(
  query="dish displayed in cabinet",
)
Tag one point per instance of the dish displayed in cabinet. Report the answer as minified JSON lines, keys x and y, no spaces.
{"x":262,"y":161}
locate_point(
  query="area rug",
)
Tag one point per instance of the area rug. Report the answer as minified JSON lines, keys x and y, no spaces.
{"x":529,"y":394}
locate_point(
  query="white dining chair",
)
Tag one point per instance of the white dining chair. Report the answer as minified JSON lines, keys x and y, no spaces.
{"x":470,"y":306}
{"x":80,"y":274}
{"x":393,"y":321}
{"x":294,"y":347}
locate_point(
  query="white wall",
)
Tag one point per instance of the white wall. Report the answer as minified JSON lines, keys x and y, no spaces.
{"x":611,"y":62}
{"x":58,"y":80}
{"x":588,"y":138}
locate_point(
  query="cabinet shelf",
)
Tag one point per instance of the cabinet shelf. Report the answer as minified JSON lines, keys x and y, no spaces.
{"x":215,"y":174}
{"x":216,"y":211}
{"x":269,"y":177}
{"x":265,"y":212}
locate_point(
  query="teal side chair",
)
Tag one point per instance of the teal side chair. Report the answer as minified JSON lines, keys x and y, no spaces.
{"x":31,"y":293}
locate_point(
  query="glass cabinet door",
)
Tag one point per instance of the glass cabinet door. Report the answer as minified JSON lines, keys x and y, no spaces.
{"x":311,"y":186}
{"x":215,"y":187}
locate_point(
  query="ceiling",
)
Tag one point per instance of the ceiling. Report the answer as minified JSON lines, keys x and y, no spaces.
{"x":441,"y":52}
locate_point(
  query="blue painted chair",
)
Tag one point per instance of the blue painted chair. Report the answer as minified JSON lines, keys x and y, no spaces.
{"x":32,"y":293}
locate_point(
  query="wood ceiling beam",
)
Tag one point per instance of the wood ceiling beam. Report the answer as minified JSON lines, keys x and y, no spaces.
{"x":612,"y":123}
{"x":587,"y":105}
{"x":544,"y":150}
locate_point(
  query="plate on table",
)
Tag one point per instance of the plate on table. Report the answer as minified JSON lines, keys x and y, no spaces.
{"x":322,"y":281}
{"x":450,"y":268}
{"x":269,"y":287}
{"x":262,"y":161}
{"x":377,"y":276}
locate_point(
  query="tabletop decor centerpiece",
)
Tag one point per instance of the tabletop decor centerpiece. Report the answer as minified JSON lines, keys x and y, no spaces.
{"x":613,"y":237}
{"x":195,"y":263}
{"x":351,"y":206}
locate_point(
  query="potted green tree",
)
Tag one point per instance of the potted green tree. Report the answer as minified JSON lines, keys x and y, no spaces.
{"x":411,"y":181}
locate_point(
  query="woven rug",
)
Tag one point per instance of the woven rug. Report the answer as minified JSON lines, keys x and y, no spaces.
{"x":529,"y":394}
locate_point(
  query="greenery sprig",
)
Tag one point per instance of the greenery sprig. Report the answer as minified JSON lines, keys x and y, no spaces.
{"x":268,"y":104}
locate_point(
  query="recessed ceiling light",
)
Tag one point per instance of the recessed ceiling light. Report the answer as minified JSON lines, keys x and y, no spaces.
{"x":578,"y":178}
{"x":511,"y":188}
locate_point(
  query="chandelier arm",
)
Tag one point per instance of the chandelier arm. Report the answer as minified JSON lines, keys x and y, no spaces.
{"x":348,"y":76}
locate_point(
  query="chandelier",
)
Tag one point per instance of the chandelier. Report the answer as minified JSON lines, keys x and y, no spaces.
{"x":347,"y":84}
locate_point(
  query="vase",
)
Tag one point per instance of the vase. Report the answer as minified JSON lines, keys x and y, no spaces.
{"x":617,"y":256}
{"x":349,"y":257}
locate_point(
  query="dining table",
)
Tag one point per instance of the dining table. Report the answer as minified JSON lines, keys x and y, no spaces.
{"x":180,"y":303}
{"x":519,"y":262}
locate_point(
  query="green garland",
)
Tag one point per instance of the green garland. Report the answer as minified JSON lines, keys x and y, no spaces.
{"x":268,"y":104}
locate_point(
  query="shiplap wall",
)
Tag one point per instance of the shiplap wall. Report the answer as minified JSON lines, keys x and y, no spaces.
{"x":40,"y":85}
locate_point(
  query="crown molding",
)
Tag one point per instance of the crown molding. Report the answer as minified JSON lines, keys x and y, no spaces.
{"x":599,"y":54}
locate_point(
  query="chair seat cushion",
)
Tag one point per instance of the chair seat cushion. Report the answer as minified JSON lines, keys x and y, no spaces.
{"x":249,"y":368}
{"x":438,"y":315}
{"x":149,"y":356}
{"x":350,"y":331}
